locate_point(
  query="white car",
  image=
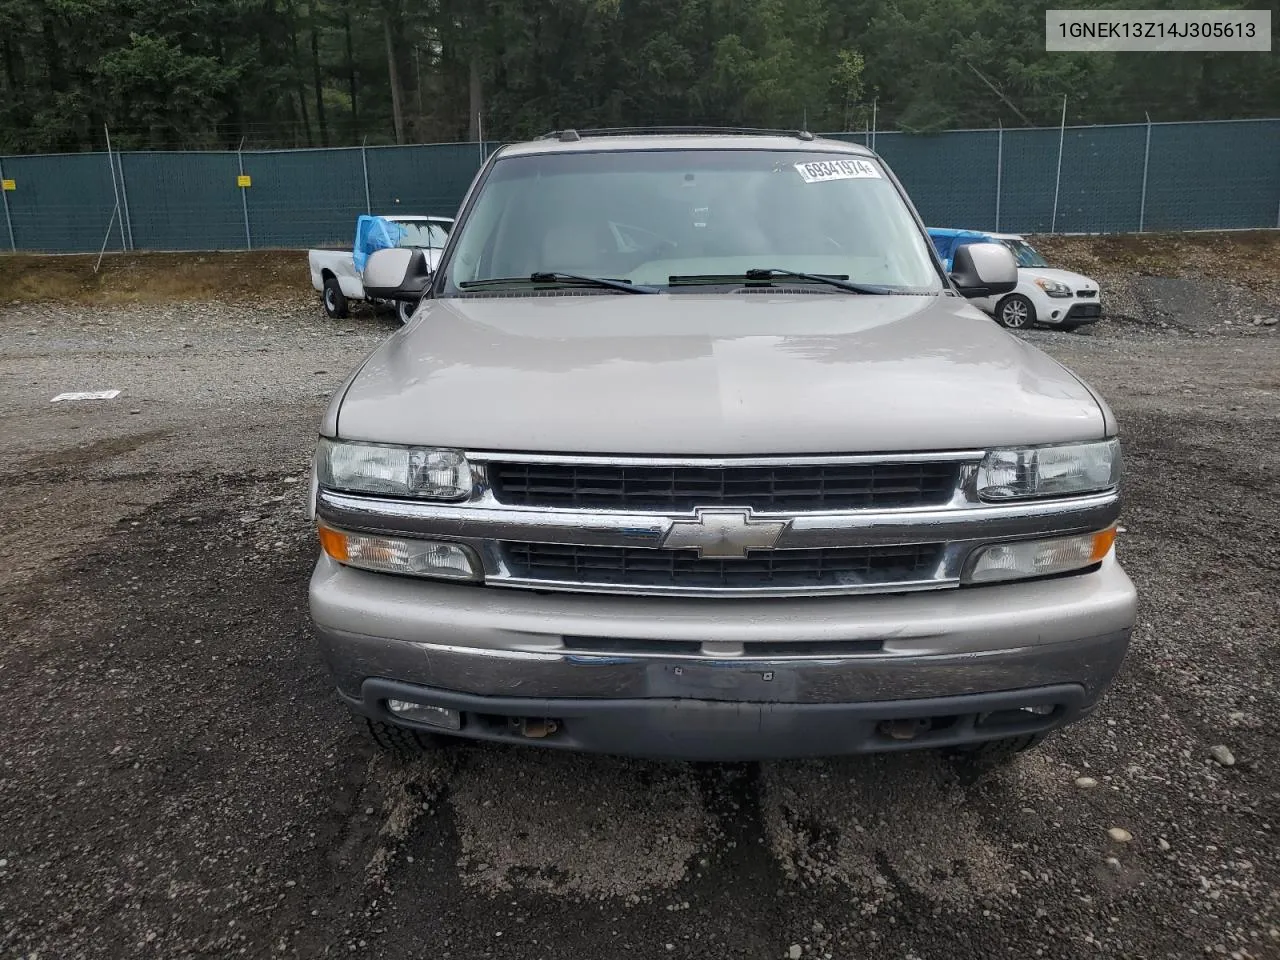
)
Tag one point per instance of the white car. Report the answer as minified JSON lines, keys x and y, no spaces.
{"x":1044,"y":294}
{"x":1057,"y":298}
{"x":334,"y":273}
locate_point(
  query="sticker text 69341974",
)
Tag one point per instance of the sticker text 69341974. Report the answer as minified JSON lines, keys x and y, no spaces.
{"x":815,"y":171}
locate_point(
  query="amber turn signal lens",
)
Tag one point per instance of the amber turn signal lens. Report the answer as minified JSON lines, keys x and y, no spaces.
{"x":334,"y":544}
{"x":1102,"y":543}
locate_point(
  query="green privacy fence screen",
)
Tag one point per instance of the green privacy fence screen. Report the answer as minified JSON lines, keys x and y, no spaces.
{"x":1097,"y":179}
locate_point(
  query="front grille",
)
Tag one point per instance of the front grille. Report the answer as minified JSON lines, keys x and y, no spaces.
{"x":824,"y":486}
{"x":1086,"y":293}
{"x":683,"y":569}
{"x":1080,"y":310}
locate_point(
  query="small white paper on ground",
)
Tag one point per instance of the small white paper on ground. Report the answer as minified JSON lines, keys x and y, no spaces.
{"x":87,"y":395}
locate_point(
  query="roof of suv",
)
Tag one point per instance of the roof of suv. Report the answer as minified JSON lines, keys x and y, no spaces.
{"x":657,"y":140}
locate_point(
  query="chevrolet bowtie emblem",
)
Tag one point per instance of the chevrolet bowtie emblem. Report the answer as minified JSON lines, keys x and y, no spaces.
{"x":724,"y":534}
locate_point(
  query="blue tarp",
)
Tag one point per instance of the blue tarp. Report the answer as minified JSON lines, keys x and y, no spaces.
{"x":947,"y":240}
{"x":374,"y":233}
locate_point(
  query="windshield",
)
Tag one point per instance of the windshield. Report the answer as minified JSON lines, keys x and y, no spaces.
{"x":1024,"y":253}
{"x":421,"y":234}
{"x":648,"y":216}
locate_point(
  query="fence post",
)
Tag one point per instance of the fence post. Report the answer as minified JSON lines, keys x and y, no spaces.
{"x":364,"y":162}
{"x":244,"y":197}
{"x":126,"y":217}
{"x":124,"y":200}
{"x":999,"y":168}
{"x":115,"y":190}
{"x":107,"y":236}
{"x":1146,"y":161}
{"x":875,"y":111}
{"x":4,"y":196}
{"x":1057,"y":184}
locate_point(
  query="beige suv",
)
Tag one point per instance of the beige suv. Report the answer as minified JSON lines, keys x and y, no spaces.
{"x":692,"y":449}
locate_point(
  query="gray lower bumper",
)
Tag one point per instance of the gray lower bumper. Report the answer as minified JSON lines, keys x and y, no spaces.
{"x":684,"y":729}
{"x":1088,"y":662}
{"x":662,"y":665}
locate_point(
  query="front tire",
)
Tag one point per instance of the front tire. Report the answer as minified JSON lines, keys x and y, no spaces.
{"x":1015,"y":312}
{"x":973,"y":762}
{"x":335,"y":301}
{"x":404,"y":311}
{"x":400,"y":741}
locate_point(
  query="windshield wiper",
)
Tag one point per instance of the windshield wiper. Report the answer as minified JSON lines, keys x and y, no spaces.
{"x":605,"y":283}
{"x":766,"y":274}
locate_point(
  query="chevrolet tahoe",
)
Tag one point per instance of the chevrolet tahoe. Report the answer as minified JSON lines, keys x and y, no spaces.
{"x":693,"y":449}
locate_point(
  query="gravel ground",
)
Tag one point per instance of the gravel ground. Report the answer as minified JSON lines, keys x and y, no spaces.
{"x":177,"y":779}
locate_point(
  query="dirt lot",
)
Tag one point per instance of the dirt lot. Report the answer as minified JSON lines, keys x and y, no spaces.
{"x":177,"y":779}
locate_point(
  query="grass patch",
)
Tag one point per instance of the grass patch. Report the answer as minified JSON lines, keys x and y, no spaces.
{"x":154,"y":277}
{"x":1245,"y":257}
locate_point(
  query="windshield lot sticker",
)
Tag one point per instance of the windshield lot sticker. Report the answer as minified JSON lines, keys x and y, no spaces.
{"x":820,"y":170}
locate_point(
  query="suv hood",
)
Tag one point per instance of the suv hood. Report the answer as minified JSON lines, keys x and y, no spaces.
{"x":706,"y":374}
{"x":1076,"y":281}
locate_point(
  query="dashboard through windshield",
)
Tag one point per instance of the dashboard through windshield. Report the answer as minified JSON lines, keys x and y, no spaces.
{"x":646,"y":217}
{"x":423,"y":234}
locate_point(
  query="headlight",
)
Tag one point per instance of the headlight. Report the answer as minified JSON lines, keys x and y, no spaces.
{"x":428,"y":472}
{"x":1039,"y":558}
{"x":1053,"y":288}
{"x":1057,"y":471}
{"x":415,"y":558}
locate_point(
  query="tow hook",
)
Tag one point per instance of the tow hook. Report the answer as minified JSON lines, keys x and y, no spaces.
{"x":534,"y":729}
{"x":904,"y":729}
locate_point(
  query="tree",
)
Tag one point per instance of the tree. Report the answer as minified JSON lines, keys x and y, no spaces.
{"x":157,"y":88}
{"x":205,"y":73}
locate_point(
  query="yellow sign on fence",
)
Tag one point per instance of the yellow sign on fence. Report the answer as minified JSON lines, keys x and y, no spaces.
{"x":244,"y":180}
{"x":8,"y":184}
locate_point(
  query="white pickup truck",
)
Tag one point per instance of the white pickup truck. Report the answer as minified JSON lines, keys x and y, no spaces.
{"x":335,"y":276}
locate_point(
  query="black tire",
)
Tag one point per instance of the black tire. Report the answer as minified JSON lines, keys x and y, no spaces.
{"x":400,"y":741}
{"x":335,"y":301}
{"x":1016,"y":312}
{"x":404,"y":310}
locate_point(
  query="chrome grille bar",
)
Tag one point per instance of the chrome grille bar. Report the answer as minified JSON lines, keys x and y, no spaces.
{"x":362,"y":514}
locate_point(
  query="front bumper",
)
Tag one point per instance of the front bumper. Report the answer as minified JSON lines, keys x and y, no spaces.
{"x":1076,"y":313}
{"x":726,"y":679}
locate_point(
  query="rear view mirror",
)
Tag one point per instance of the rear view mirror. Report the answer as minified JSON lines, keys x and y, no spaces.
{"x":397,"y":273}
{"x":984,"y":270}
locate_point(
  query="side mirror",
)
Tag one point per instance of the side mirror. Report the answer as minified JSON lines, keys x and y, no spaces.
{"x":397,"y":273}
{"x":983,"y":270}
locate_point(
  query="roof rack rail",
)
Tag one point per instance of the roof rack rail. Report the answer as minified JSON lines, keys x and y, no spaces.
{"x":572,"y":136}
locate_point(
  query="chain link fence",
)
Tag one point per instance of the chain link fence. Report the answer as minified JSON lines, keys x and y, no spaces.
{"x":1095,"y":179}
